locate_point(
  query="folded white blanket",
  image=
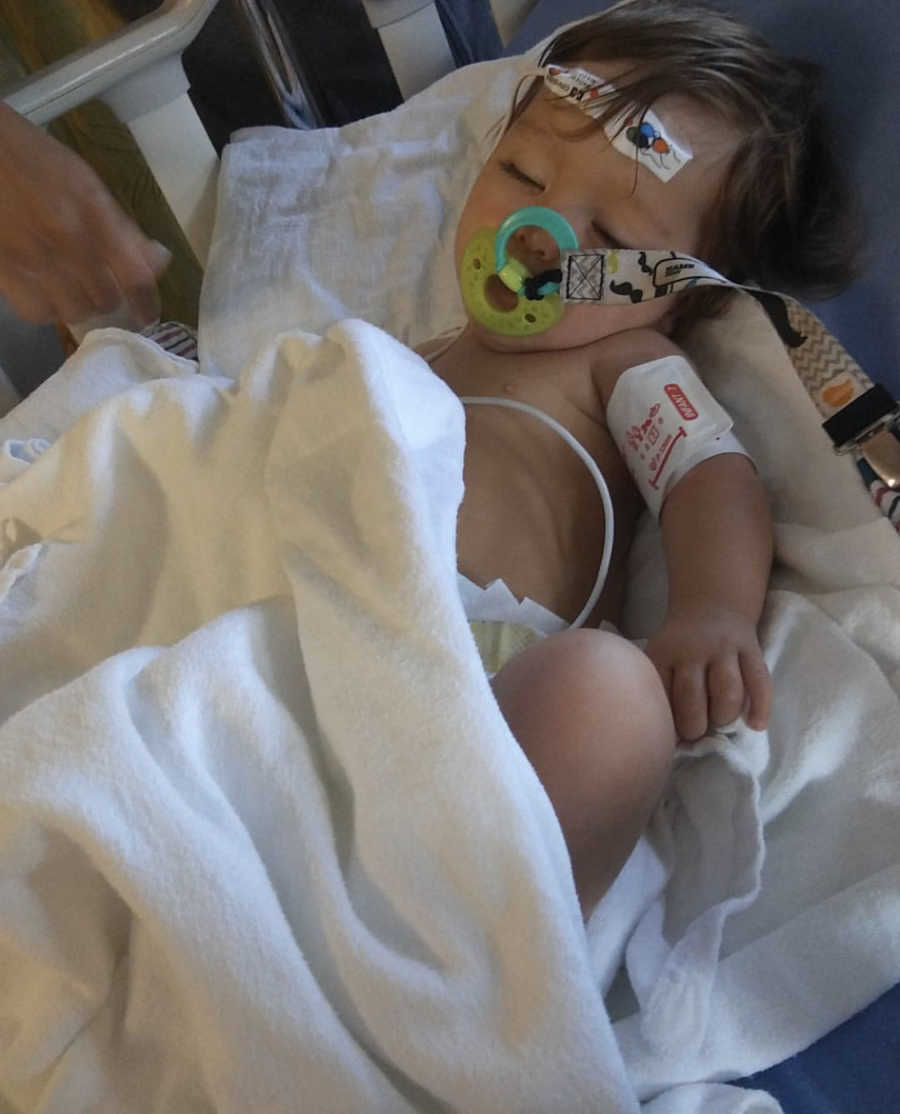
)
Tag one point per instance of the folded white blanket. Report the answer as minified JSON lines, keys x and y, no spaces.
{"x":267,"y":843}
{"x":265,"y":830}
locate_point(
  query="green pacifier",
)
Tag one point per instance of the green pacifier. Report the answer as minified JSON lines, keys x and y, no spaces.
{"x":537,"y":308}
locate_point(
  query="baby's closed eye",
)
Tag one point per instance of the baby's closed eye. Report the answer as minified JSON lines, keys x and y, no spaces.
{"x":515,"y":171}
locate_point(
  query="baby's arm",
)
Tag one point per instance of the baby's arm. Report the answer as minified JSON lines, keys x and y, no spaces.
{"x":718,"y":543}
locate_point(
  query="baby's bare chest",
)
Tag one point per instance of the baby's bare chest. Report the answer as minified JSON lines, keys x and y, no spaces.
{"x":532,"y":514}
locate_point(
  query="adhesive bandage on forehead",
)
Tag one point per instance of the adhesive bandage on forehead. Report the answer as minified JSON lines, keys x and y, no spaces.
{"x":665,"y":422}
{"x":639,"y":135}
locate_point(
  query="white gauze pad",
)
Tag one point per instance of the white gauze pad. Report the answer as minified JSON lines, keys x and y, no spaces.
{"x":665,"y":422}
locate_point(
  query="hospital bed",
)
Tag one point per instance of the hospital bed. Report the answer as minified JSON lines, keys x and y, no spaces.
{"x":273,"y":264}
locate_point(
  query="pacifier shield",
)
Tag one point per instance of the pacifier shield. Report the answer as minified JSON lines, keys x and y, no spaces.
{"x":526,"y":318}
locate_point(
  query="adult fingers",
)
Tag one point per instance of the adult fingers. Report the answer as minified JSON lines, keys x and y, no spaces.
{"x":45,"y":295}
{"x":26,"y":297}
{"x":99,"y":285}
{"x":70,"y":300}
{"x":57,"y":274}
{"x":133,"y":260}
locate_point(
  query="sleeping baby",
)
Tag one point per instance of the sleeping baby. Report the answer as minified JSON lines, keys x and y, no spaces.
{"x":652,"y":126}
{"x":657,"y":130}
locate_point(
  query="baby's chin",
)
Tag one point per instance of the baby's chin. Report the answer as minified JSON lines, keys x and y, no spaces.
{"x":555,"y":339}
{"x":499,"y":342}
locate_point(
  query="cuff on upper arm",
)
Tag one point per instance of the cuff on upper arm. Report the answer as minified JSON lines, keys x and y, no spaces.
{"x":665,"y":422}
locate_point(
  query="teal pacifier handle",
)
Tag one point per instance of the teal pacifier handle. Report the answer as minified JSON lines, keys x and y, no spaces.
{"x":512,"y":273}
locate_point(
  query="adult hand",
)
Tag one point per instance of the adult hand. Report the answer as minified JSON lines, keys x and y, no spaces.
{"x":67,"y":251}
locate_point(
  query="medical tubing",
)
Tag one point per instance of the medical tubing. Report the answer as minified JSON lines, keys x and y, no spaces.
{"x":606,"y":556}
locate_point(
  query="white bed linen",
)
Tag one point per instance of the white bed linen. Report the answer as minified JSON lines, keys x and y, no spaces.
{"x":764,"y":910}
{"x":267,"y":843}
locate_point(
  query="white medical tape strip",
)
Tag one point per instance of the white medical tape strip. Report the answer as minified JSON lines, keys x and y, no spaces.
{"x":642,"y":137}
{"x":665,"y":422}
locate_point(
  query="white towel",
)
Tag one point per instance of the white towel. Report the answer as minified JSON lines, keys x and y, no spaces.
{"x":267,"y":842}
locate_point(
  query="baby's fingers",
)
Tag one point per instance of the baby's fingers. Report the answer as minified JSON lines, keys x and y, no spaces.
{"x":726,"y":690}
{"x":689,"y":701}
{"x":758,"y":687}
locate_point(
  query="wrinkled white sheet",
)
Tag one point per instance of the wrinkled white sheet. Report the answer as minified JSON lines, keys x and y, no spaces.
{"x":781,"y":917}
{"x":263,"y":828}
{"x":267,"y":843}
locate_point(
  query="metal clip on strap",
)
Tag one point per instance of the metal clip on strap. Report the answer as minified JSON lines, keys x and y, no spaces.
{"x":871,"y":424}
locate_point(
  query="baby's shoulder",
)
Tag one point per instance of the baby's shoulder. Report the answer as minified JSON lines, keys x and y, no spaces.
{"x":610,"y":357}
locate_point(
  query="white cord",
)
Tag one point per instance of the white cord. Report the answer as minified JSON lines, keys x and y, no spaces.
{"x":606,"y":557}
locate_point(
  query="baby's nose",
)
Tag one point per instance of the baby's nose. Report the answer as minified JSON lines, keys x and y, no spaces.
{"x":535,"y":247}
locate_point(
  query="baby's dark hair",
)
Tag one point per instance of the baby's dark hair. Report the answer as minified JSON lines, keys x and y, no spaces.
{"x":786,"y":218}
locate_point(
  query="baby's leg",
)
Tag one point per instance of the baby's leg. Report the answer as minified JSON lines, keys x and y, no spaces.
{"x":590,"y":712}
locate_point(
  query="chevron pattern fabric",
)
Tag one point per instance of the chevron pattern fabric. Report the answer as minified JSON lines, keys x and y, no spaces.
{"x":829,"y":373}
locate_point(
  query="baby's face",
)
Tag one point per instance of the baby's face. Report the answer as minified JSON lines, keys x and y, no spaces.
{"x":604,"y":195}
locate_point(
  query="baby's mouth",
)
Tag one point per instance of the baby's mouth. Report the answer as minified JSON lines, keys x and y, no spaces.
{"x":499,"y":295}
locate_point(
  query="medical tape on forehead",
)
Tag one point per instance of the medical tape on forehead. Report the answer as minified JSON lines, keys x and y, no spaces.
{"x":641,"y":136}
{"x":626,"y":276}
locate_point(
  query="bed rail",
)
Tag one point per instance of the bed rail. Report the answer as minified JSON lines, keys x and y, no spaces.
{"x":90,"y":72}
{"x":413,"y":39}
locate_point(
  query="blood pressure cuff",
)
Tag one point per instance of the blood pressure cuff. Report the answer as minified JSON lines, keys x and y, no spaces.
{"x":665,"y":422}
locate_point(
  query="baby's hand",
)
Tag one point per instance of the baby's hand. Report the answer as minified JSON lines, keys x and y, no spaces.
{"x":712,"y":668}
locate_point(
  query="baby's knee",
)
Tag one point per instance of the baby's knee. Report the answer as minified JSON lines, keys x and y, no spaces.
{"x":622,"y":684}
{"x":590,"y":712}
{"x":585,"y":692}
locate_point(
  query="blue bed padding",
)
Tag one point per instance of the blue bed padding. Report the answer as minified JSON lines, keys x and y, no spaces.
{"x":855,"y":1069}
{"x":858,"y":43}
